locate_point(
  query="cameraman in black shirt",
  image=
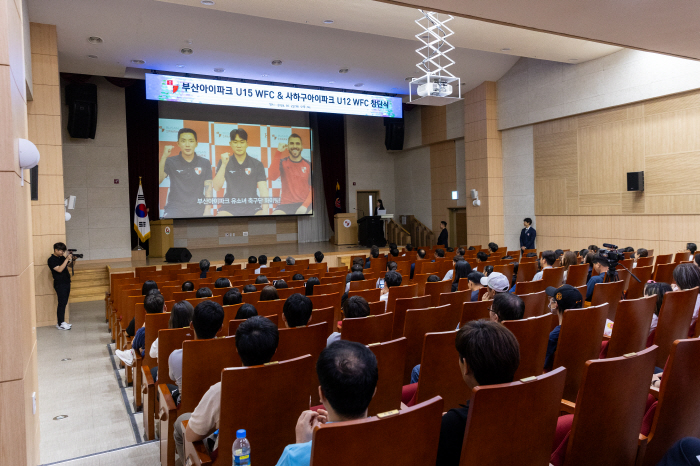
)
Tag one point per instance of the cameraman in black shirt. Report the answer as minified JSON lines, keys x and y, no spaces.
{"x":58,"y":263}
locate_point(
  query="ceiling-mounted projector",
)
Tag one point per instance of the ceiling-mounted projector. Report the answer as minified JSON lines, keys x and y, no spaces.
{"x":435,"y":89}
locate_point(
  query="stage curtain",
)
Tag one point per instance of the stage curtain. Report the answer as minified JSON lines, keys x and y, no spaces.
{"x":316,"y":227}
{"x":331,"y":144}
{"x":142,"y":146}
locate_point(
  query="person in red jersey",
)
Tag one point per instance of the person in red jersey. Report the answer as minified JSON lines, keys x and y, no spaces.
{"x":295,"y":171}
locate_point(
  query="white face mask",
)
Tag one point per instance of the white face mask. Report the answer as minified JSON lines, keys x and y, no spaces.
{"x":674,"y":287}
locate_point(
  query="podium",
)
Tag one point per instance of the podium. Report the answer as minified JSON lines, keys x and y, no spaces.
{"x":345,"y":229}
{"x":162,"y":238}
{"x":371,"y":231}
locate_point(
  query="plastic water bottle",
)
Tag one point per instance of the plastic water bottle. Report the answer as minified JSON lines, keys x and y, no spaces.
{"x":241,"y":449}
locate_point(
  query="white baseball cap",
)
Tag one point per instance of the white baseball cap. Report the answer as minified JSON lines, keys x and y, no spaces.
{"x":497,"y":282}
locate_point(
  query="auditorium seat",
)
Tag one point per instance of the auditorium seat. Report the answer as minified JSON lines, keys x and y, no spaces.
{"x":285,"y":293}
{"x":435,"y":289}
{"x":251,"y":298}
{"x":367,"y":330}
{"x":577,"y":274}
{"x":232,"y":325}
{"x":376,"y":308}
{"x":401,"y":305}
{"x":266,"y":308}
{"x":664,"y":272}
{"x":552,"y":277}
{"x":610,"y":293}
{"x":675,"y":316}
{"x":529,"y":287}
{"x":456,"y":298}
{"x":370,"y":295}
{"x":391,"y":357}
{"x":631,"y":329}
{"x":645,"y":261}
{"x":322,"y":301}
{"x":532,"y":335}
{"x":474,"y":311}
{"x":363,"y":285}
{"x":295,"y":342}
{"x":144,"y":386}
{"x":326,"y":315}
{"x":400,"y":292}
{"x":535,"y":304}
{"x":636,"y":288}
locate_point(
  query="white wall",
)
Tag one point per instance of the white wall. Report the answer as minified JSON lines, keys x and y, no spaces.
{"x":518,"y":182}
{"x":537,"y":90}
{"x":412,"y":171}
{"x":100,"y":226}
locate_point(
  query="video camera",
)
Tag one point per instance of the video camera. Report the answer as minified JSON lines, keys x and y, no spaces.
{"x":75,"y":256}
{"x":611,"y":254}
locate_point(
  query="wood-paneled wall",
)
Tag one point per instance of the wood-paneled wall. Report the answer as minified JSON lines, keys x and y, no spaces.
{"x":19,"y":426}
{"x":581,"y":162}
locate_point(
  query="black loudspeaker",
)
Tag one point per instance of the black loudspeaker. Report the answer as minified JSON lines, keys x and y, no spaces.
{"x":82,"y":110}
{"x":178,"y":255}
{"x":393,"y":139}
{"x":635,"y":181}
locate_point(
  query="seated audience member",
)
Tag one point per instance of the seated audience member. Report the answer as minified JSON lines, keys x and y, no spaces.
{"x":495,"y":283}
{"x":357,"y":266}
{"x":297,"y":311}
{"x":204,"y":292}
{"x":146,"y":288}
{"x":249,"y":289}
{"x":641,"y":252}
{"x":567,"y":261}
{"x":420,"y":256}
{"x":233,"y":296}
{"x":352,"y":307}
{"x":246,"y":312}
{"x":310,"y":283}
{"x":593,"y":248}
{"x":390,"y":279}
{"x":261,"y":279}
{"x":252,"y":260}
{"x":153,"y":303}
{"x":391,"y":266}
{"x":409,"y":247}
{"x":658,"y":290}
{"x":269,"y":293}
{"x":514,"y":280}
{"x":433,"y":278}
{"x":493,"y":247}
{"x":347,"y":373}
{"x":394,"y":252}
{"x":589,"y":261}
{"x":461,"y":251}
{"x":279,"y":284}
{"x":262,"y":261}
{"x":256,"y":343}
{"x":188,"y":286}
{"x":373,"y":254}
{"x":354,"y":277}
{"x":560,"y":299}
{"x":488,"y":270}
{"x":474,"y":284}
{"x":507,"y":306}
{"x":471,"y":248}
{"x":462,"y":270}
{"x":558,"y":253}
{"x":691,"y":248}
{"x":489,"y":354}
{"x":393,"y":246}
{"x":582,"y":253}
{"x":318,"y":257}
{"x":297,"y":277}
{"x":180,"y":317}
{"x":481,"y":256}
{"x":222,"y":282}
{"x":203,"y":268}
{"x":450,"y":273}
{"x":438,"y":254}
{"x":697,"y":260}
{"x":277,"y":259}
{"x":450,"y":249}
{"x":600,"y":267}
{"x":687,"y":276}
{"x":546,"y":262}
{"x":207,"y":320}
{"x":685,"y":452}
{"x":290,"y":260}
{"x":228,"y":260}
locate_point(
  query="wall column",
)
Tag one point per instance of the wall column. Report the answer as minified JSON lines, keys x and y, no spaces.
{"x":483,"y":165}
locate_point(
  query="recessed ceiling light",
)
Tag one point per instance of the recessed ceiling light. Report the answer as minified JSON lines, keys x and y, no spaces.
{"x":263,"y":75}
{"x":138,"y":62}
{"x":186,"y":51}
{"x":573,"y":59}
{"x":505,"y":49}
{"x":276,"y":62}
{"x":408,"y":78}
{"x":95,"y":40}
{"x":328,"y":21}
{"x":94,"y":57}
{"x":219,"y":70}
{"x":343,"y":70}
{"x":180,"y":66}
{"x":207,"y":2}
{"x":331,"y":82}
{"x":359,"y":85}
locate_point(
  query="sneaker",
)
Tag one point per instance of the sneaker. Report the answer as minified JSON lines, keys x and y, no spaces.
{"x":126,"y":356}
{"x":61,"y":327}
{"x":66,"y":326}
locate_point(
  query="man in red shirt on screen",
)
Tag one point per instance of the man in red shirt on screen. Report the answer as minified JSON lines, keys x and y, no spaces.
{"x":295,"y":171}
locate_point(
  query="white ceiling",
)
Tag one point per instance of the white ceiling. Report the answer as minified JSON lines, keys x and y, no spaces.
{"x":665,"y":26}
{"x":374,"y":40}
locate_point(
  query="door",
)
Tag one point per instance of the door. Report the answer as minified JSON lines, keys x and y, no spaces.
{"x":460,"y":227}
{"x":365,"y":203}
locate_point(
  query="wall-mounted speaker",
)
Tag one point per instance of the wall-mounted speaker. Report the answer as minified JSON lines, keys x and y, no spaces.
{"x":635,"y":181}
{"x":82,"y":110}
{"x":393,"y":139}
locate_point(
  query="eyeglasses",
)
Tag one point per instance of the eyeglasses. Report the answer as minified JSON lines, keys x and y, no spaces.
{"x":491,"y":310}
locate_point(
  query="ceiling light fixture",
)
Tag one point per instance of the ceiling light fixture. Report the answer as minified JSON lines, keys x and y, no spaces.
{"x":186,"y":51}
{"x":219,"y":70}
{"x":331,"y":82}
{"x":138,"y":62}
{"x":207,"y":2}
{"x":505,"y":49}
{"x":94,"y":57}
{"x":359,"y":85}
{"x":263,"y":76}
{"x":343,"y":70}
{"x":328,"y":21}
{"x":180,"y":66}
{"x":95,"y":40}
{"x":276,"y":62}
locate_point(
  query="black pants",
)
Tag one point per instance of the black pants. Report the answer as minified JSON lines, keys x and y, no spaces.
{"x":63,"y":292}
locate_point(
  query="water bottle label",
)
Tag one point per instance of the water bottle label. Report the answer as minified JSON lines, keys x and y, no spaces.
{"x":243,"y":460}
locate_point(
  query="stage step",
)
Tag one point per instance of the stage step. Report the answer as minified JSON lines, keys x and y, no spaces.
{"x":89,"y":285}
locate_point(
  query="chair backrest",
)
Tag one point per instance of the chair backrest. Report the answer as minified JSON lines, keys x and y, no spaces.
{"x":529,"y":287}
{"x":664,"y":272}
{"x":400,"y":292}
{"x":463,"y":285}
{"x":230,"y":312}
{"x":491,"y":413}
{"x":326,"y":315}
{"x":154,"y":324}
{"x":422,"y":321}
{"x":251,"y":297}
{"x":552,"y":277}
{"x":419,"y":279}
{"x":216,"y":299}
{"x":370,"y":295}
{"x":677,"y":414}
{"x":435,"y":289}
{"x":474,"y":311}
{"x":625,"y":277}
{"x":440,"y":374}
{"x":238,"y":408}
{"x":663,"y":259}
{"x":609,"y":410}
{"x":202,"y":363}
{"x":635,"y":289}
{"x":610,"y":293}
{"x":322,"y":301}
{"x":674,"y":320}
{"x":367,"y":330}
{"x":579,"y":340}
{"x":427,"y":267}
{"x":285,"y":293}
{"x":526,"y":271}
{"x":535,"y":304}
{"x":414,"y":434}
{"x":400,"y":308}
{"x":631,"y":329}
{"x":295,"y":342}
{"x":267,"y":308}
{"x":233,"y":325}
{"x":363,"y":284}
{"x":330,"y":288}
{"x":379,"y":263}
{"x":577,"y":274}
{"x":142,"y":272}
{"x":456,"y":298}
{"x":377,"y":307}
{"x":403,"y":267}
{"x":645,"y":261}
{"x":533,"y":336}
{"x":338,"y":269}
{"x":505,"y":269}
{"x":391,"y":356}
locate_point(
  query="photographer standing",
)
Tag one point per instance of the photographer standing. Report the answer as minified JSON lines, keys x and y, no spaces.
{"x":58,"y":263}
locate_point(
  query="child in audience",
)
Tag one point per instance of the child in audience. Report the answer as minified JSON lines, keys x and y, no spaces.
{"x":318,"y":257}
{"x":352,"y":308}
{"x":204,"y":292}
{"x":560,"y":299}
{"x":462,"y":270}
{"x":354,"y":277}
{"x":279,"y":284}
{"x":203,"y":268}
{"x":474,"y":284}
{"x":433,"y":279}
{"x":246,"y":312}
{"x":261,"y":279}
{"x":488,"y":270}
{"x":311,"y":282}
{"x":450,"y":273}
{"x":222,"y":282}
{"x":658,"y":289}
{"x":188,"y":286}
{"x":153,"y":303}
{"x":269,"y":293}
{"x":252,"y":260}
{"x":249,"y":289}
{"x":233,"y":296}
{"x":567,"y":261}
{"x":297,"y":311}
{"x":277,"y":259}
{"x":514,"y":280}
{"x":546,"y":262}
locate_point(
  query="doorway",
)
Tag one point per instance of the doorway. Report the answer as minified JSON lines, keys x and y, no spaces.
{"x":457,"y":229}
{"x":365,"y":203}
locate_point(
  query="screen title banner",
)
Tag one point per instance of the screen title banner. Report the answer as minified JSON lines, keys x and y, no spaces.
{"x":214,"y":92}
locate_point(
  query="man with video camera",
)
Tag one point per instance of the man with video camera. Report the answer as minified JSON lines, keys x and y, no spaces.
{"x":605,"y":262}
{"x":58,"y":263}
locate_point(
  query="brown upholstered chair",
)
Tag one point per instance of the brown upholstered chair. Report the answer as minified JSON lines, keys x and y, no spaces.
{"x":285,"y":293}
{"x":631,"y":329}
{"x":474,"y":311}
{"x":322,"y":301}
{"x":327,"y":315}
{"x":529,"y":287}
{"x":252,"y":297}
{"x":635,"y":289}
{"x":610,"y":293}
{"x":675,"y":316}
{"x":367,"y":330}
{"x":645,"y":261}
{"x":535,"y":304}
{"x":391,"y":357}
{"x":401,"y":306}
{"x":552,"y":277}
{"x":664,"y":272}
{"x":370,"y":295}
{"x":533,"y":336}
{"x":577,"y":274}
{"x":233,"y":325}
{"x":456,"y":298}
{"x":363,"y":285}
{"x":435,"y":289}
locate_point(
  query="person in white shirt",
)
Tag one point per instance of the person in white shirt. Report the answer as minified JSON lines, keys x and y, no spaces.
{"x":262,"y":261}
{"x":546,"y":262}
{"x":658,"y":290}
{"x":390,"y":279}
{"x":450,"y":273}
{"x":354,"y":277}
{"x":390,"y":267}
{"x":687,"y":276}
{"x":352,"y":308}
{"x":180,"y":317}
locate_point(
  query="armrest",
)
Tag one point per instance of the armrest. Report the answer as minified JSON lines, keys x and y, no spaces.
{"x":146,"y":378}
{"x":567,"y":407}
{"x":196,"y":451}
{"x":654,"y":391}
{"x":167,"y":404}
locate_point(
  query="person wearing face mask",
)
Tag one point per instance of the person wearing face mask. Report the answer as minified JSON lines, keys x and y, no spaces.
{"x":560,"y":299}
{"x":295,"y":172}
